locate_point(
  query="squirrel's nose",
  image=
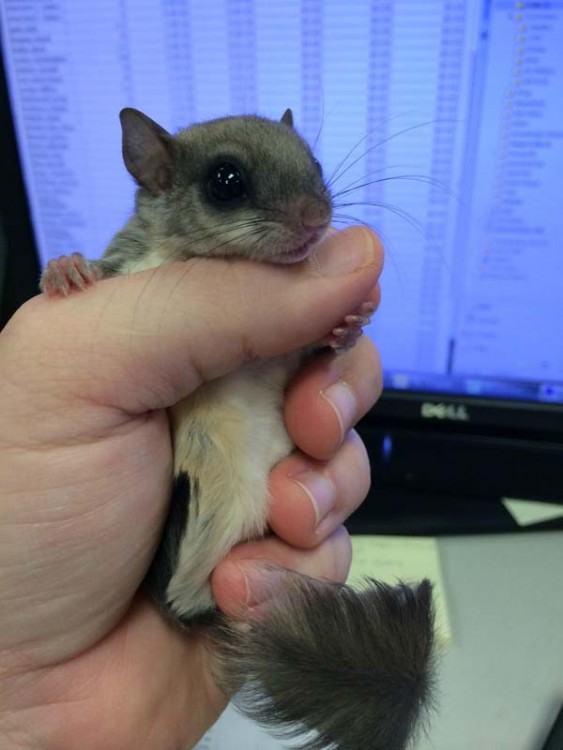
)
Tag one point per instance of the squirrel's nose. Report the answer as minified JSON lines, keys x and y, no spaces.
{"x":314,"y":213}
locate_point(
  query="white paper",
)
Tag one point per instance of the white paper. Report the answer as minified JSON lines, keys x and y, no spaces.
{"x":235,"y":732}
{"x":529,"y":512}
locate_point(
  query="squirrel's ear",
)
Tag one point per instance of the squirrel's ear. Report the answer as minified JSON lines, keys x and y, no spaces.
{"x":287,"y":118}
{"x":147,"y":151}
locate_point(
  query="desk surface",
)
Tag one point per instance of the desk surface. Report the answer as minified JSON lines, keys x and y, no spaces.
{"x":501,"y":677}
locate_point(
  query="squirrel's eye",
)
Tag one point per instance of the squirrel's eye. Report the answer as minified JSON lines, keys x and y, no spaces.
{"x":318,"y":165}
{"x":226,"y":183}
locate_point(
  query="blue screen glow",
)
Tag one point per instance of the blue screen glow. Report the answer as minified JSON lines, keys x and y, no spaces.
{"x":441,"y":121}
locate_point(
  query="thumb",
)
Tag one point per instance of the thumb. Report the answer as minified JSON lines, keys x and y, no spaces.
{"x":147,"y":340}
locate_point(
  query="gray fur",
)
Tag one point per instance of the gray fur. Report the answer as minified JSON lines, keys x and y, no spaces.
{"x":351,"y":666}
{"x":278,"y":163}
{"x":356,"y":669}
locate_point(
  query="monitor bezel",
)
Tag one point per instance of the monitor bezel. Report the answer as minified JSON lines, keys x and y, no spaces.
{"x":21,"y":265}
{"x":494,"y":416}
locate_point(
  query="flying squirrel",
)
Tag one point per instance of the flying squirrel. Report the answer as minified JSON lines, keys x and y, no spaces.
{"x":353,"y":668}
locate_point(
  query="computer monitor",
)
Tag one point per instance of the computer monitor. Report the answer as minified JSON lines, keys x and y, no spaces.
{"x":437,"y":122}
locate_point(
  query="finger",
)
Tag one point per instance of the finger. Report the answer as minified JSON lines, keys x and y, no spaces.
{"x":311,"y":499}
{"x":328,"y":397}
{"x":248,"y":577}
{"x":148,"y":339}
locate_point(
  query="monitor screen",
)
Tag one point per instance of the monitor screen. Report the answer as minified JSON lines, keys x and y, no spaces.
{"x":439,"y":123}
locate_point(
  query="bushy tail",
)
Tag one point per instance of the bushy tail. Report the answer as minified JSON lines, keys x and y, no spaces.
{"x":353,"y":667}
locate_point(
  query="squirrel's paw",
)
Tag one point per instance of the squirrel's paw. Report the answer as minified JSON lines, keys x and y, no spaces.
{"x":345,"y":335}
{"x":66,"y":273}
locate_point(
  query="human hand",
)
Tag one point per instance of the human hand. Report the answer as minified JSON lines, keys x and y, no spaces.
{"x":85,"y":470}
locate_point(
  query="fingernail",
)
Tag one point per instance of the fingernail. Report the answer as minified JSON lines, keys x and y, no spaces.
{"x":320,"y":491}
{"x":342,"y":399}
{"x":345,"y":252}
{"x":262,"y":582}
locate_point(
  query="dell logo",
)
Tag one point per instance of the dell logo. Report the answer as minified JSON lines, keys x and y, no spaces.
{"x":456,"y":412}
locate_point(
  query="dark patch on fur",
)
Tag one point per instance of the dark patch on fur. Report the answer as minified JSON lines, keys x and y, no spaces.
{"x":184,"y":494}
{"x":204,"y":619}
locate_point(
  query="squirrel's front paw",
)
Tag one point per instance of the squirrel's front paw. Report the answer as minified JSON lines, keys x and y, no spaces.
{"x":345,"y":335}
{"x":68,"y":272}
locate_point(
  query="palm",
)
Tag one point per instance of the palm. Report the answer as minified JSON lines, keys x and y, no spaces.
{"x":142,"y":686}
{"x":113,"y":487}
{"x":104,"y":647}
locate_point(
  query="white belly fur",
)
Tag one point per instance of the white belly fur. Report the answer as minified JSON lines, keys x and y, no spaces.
{"x":227,"y":436}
